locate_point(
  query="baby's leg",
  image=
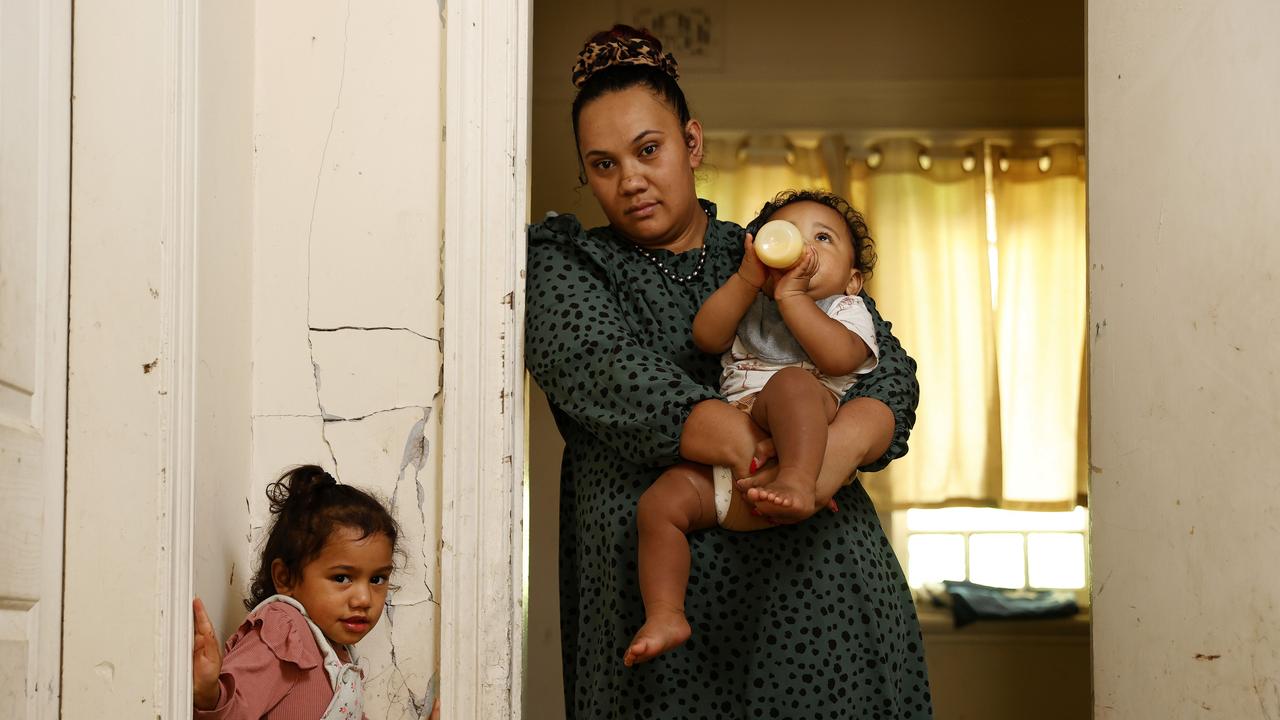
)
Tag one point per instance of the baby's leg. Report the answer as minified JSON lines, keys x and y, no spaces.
{"x":680,"y":501}
{"x":795,"y":408}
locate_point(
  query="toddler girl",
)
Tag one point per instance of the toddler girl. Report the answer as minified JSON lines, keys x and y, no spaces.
{"x":793,"y":342}
{"x":321,"y":585}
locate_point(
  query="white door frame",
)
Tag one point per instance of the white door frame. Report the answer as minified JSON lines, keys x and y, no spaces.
{"x":175,"y":80}
{"x":178,"y":293}
{"x":486,"y":213}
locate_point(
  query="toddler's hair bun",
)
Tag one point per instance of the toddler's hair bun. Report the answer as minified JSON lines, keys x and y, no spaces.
{"x":622,"y":45}
{"x":298,"y":485}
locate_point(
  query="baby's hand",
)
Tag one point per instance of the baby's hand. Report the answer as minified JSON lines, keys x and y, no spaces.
{"x":795,"y":279}
{"x":206,"y":661}
{"x":752,"y":269}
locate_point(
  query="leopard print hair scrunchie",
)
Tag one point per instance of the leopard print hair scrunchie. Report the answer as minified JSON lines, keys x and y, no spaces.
{"x":623,"y":45}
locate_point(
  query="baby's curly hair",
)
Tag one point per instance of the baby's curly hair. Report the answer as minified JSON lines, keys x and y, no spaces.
{"x":864,"y":252}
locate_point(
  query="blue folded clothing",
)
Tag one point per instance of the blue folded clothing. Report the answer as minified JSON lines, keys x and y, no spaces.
{"x":971,"y":601}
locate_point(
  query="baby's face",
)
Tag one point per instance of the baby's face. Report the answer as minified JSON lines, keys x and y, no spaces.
{"x":824,"y":230}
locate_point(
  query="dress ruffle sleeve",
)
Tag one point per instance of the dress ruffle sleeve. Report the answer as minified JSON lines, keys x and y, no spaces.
{"x":584,"y":351}
{"x":271,"y":652}
{"x":893,"y":383}
{"x":285,"y":632}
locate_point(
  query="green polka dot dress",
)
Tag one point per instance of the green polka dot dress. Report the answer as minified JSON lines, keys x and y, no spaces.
{"x":805,"y":621}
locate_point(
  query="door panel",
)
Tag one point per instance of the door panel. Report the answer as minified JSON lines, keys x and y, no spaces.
{"x":34,"y":243}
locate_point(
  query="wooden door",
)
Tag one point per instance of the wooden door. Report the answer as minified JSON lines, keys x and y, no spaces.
{"x":35,"y":107}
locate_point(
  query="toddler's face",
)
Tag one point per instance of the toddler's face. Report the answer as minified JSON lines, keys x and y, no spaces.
{"x":826,"y":232}
{"x":344,"y":588}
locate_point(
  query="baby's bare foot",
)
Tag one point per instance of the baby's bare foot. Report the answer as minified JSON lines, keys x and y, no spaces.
{"x":662,"y":631}
{"x":789,"y":497}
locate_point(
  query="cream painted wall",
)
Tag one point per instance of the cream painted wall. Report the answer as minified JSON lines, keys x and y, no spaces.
{"x":346,"y":276}
{"x":318,"y":224}
{"x":224,"y":324}
{"x":1185,"y":332}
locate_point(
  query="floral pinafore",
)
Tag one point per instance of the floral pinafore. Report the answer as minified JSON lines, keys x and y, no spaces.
{"x":346,"y":678}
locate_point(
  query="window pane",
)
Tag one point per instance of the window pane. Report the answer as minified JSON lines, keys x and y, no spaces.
{"x":1056,"y":560}
{"x":996,"y":559}
{"x":934,"y":558}
{"x":993,"y":520}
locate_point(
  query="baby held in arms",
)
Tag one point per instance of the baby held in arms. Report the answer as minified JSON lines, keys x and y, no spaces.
{"x":795,"y":336}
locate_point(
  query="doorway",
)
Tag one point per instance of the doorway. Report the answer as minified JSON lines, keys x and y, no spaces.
{"x":933,"y":71}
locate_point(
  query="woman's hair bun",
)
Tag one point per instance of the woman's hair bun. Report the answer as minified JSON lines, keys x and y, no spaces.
{"x":297,"y":485}
{"x":622,"y":45}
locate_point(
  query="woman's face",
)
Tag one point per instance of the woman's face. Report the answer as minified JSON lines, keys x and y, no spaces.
{"x":639,"y":164}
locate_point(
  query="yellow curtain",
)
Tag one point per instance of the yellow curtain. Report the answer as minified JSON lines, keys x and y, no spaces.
{"x":933,"y":281}
{"x":1040,"y":338}
{"x":740,"y":187}
{"x":1002,"y":419}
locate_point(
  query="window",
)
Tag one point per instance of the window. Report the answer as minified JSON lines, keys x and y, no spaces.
{"x":1001,"y":548}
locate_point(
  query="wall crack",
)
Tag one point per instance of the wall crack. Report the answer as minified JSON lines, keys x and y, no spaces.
{"x":362,"y":328}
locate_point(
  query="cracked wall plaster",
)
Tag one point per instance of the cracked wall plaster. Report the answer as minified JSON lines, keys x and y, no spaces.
{"x":397,"y":462}
{"x":375,"y":217}
{"x":346,"y":279}
{"x":361,"y":372}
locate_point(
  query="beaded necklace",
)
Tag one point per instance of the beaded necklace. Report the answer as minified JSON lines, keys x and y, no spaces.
{"x":679,"y":279}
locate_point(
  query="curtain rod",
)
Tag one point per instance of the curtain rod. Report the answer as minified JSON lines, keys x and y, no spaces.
{"x":858,"y":139}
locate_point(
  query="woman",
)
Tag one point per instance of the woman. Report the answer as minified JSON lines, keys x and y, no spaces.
{"x":811,"y":620}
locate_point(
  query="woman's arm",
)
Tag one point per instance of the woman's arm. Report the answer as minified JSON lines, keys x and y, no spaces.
{"x":894,"y":384}
{"x":859,"y":435}
{"x":583,"y":353}
{"x":717,"y":433}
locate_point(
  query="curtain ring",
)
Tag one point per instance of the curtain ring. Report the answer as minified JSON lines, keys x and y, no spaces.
{"x":874,"y":158}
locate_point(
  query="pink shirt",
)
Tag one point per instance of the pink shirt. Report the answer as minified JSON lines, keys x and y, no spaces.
{"x":272,"y":670}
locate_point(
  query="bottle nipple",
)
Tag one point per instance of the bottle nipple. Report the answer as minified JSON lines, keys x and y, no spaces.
{"x":779,"y":244}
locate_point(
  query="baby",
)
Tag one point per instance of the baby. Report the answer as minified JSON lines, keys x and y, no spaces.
{"x":793,"y":342}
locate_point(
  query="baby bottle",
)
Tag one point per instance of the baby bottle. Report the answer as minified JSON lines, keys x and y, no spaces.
{"x":779,"y":244}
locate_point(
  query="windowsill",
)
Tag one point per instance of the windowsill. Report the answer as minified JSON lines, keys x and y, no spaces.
{"x":939,"y":621}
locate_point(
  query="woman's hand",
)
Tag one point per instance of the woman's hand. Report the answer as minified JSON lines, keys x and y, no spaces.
{"x":206,"y":661}
{"x":752,"y":270}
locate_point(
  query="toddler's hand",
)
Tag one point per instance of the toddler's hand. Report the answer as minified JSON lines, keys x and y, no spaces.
{"x":752,"y":269}
{"x":795,"y":279}
{"x":206,"y":661}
